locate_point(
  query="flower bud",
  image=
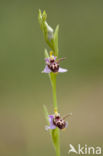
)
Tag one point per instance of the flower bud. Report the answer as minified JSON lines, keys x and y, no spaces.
{"x":49,"y":31}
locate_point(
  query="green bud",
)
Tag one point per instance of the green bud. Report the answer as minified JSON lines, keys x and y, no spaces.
{"x":50,"y":36}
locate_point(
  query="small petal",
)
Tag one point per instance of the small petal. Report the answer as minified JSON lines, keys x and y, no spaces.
{"x":47,"y":60}
{"x":51,"y":126}
{"x":66,"y":124}
{"x":62,"y":70}
{"x":55,"y":57}
{"x":46,"y":70}
{"x":51,"y":118}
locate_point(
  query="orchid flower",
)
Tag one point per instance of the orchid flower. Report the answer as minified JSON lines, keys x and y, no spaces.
{"x":52,"y":65}
{"x":56,"y":121}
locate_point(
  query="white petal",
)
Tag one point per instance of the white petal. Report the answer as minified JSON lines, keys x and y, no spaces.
{"x":46,"y":70}
{"x":62,"y":70}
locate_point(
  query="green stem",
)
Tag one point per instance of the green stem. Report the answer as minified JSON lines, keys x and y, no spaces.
{"x":58,"y":143}
{"x":55,"y":132}
{"x":54,"y":92}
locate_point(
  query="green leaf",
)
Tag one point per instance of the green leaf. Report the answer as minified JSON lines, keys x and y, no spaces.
{"x":46,"y":53}
{"x":44,"y":15}
{"x":56,"y":40}
{"x":42,"y":18}
{"x":46,"y":113}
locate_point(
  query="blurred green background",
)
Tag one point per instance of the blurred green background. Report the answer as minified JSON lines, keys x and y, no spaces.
{"x":24,"y":90}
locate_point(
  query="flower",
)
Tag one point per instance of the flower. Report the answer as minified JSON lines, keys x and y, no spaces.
{"x":52,"y":65}
{"x":51,"y":126}
{"x":56,"y":121}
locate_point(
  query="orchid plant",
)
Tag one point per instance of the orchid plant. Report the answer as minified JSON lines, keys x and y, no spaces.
{"x":52,"y":68}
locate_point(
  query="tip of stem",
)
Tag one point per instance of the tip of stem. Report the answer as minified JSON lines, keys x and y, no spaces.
{"x":55,"y":111}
